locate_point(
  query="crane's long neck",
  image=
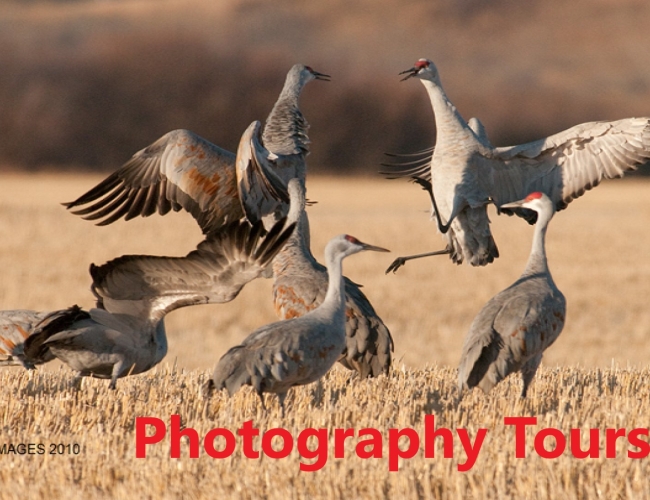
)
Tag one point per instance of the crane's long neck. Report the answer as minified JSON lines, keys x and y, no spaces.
{"x":296,"y":253}
{"x":285,"y":131}
{"x":334,"y":303}
{"x":449,"y":122}
{"x":537,"y":262}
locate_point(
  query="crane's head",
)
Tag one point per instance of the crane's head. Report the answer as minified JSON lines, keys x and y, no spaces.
{"x":423,"y":69}
{"x":301,"y":75}
{"x":537,"y":201}
{"x":344,"y":245}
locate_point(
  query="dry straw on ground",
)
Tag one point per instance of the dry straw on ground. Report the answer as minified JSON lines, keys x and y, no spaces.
{"x":43,"y":409}
{"x":597,"y":256}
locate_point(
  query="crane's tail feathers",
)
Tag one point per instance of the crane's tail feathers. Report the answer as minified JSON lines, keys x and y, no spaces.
{"x":36,"y":350}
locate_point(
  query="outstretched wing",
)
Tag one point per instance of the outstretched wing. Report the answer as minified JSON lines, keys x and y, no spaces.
{"x":213,"y":273}
{"x":416,"y":164}
{"x":179,"y":171}
{"x":565,"y":165}
{"x":261,"y":190}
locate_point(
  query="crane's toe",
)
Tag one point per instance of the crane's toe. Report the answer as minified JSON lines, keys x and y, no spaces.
{"x":395,"y":265}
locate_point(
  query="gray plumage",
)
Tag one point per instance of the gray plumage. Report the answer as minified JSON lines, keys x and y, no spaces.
{"x":125,"y":333}
{"x":515,"y":327}
{"x":297,"y":351}
{"x":300,"y":285}
{"x":466,"y":172}
{"x":183,"y":171}
{"x":286,"y":128}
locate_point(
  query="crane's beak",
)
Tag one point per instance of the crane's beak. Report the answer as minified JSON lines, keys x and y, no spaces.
{"x":373,"y":248}
{"x":513,"y":204}
{"x":411,"y":73}
{"x":321,"y":76}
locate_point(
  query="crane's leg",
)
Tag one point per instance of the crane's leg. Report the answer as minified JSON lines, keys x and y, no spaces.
{"x":426,"y":185}
{"x":115,"y":373}
{"x":207,"y":388}
{"x":528,"y":372}
{"x":76,"y":381}
{"x":260,"y":393}
{"x":281,"y":397}
{"x":400,"y":261}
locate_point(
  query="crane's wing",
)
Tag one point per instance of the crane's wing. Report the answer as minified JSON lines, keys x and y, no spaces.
{"x":267,"y":360}
{"x":213,"y":273}
{"x":418,"y":164}
{"x":261,"y":190}
{"x":567,"y":164}
{"x":179,"y":171}
{"x":368,"y":342}
{"x":409,"y":165}
{"x":513,"y":327}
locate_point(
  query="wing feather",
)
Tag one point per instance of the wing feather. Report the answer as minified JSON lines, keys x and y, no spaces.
{"x":213,"y":273}
{"x":261,"y":190}
{"x":567,"y":164}
{"x":181,"y":170}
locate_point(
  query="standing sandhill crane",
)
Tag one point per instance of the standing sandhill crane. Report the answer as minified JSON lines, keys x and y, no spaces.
{"x":297,"y":351}
{"x":125,"y":333}
{"x":15,"y":326}
{"x":515,"y":327}
{"x":184,"y":171}
{"x":300,"y":285}
{"x":467,"y":173}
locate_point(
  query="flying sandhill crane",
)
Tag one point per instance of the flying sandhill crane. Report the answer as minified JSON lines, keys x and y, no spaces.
{"x":300,"y":285}
{"x":466,"y":172}
{"x":515,"y":327}
{"x":184,"y":171}
{"x":297,"y":351}
{"x":15,"y":326}
{"x":125,"y":333}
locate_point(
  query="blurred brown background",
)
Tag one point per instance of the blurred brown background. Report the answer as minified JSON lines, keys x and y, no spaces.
{"x":85,"y":84}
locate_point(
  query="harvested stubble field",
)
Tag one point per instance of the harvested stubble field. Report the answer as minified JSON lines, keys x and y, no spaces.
{"x":593,"y":377}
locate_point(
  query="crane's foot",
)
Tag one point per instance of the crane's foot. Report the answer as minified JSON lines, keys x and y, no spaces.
{"x":425,"y":184}
{"x":396,"y":264}
{"x":400,"y":261}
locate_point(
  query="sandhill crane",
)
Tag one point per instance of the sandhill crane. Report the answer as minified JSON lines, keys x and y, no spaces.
{"x":515,"y":327}
{"x":467,"y":173}
{"x":125,"y":333}
{"x":297,"y":351}
{"x":300,"y":285}
{"x":184,"y":171}
{"x":15,"y":327}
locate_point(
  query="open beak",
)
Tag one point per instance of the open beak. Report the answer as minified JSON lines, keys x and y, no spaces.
{"x":321,"y":76}
{"x":411,"y":73}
